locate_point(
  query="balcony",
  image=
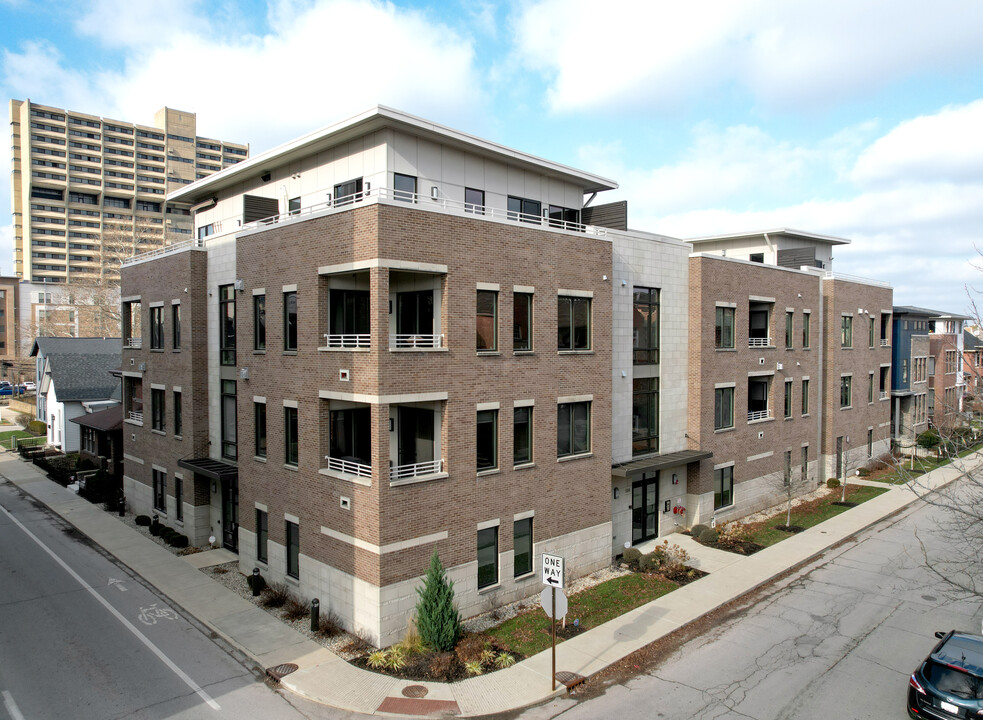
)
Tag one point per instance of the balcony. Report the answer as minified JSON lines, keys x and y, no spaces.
{"x":885,"y":342}
{"x":134,"y":343}
{"x":883,"y":395}
{"x":349,"y":466}
{"x":403,"y":472}
{"x":134,"y":416}
{"x":335,"y":341}
{"x":759,"y":342}
{"x":758,"y":415}
{"x":414,"y":342}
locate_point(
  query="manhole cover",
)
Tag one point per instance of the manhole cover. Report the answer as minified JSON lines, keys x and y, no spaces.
{"x":569,"y":679}
{"x":415,"y":691}
{"x":278,"y":671}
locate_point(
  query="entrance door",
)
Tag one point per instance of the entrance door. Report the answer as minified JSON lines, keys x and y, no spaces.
{"x":644,"y":509}
{"x":230,"y":514}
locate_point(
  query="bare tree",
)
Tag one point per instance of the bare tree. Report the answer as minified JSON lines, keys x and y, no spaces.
{"x":789,"y":484}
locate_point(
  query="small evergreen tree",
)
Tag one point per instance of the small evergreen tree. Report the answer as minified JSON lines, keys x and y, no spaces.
{"x":437,"y":619}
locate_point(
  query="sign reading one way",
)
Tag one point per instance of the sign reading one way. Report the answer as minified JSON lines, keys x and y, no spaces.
{"x":552,"y":570}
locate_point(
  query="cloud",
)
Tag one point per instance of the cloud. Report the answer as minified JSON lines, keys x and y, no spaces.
{"x":128,"y":24}
{"x":655,"y":54}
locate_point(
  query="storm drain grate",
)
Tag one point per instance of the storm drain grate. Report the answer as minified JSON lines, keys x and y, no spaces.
{"x":415,"y":691}
{"x":278,"y":671}
{"x":570,"y":680}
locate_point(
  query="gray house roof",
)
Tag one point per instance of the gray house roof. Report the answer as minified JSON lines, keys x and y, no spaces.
{"x":81,"y":369}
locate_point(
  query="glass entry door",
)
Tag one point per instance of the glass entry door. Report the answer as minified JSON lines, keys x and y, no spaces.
{"x":644,"y":508}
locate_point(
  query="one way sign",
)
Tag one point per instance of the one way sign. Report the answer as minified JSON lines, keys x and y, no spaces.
{"x":552,"y":570}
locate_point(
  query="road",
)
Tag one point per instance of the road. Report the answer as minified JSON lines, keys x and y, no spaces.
{"x":81,"y":637}
{"x":838,"y":638}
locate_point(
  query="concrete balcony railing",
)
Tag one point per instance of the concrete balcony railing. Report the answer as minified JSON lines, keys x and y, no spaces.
{"x":402,"y":472}
{"x":348,"y":466}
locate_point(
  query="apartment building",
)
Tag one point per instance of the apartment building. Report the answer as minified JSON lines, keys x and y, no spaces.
{"x":911,"y":360}
{"x":426,"y":366}
{"x":88,"y":191}
{"x":946,"y":383}
{"x":972,"y":369}
{"x":781,"y":391}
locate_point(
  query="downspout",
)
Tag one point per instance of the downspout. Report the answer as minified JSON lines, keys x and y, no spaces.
{"x":820,"y":459}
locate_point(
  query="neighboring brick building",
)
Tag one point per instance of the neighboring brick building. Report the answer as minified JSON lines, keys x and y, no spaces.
{"x":909,"y":377}
{"x":437,"y":375}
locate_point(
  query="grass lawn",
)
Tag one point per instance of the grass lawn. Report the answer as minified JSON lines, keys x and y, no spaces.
{"x":7,"y":436}
{"x":899,"y":476}
{"x":811,"y":513}
{"x":529,"y":633}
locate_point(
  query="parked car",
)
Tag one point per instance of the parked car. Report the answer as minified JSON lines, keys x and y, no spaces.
{"x":949,"y":683}
{"x":29,"y":386}
{"x":9,"y":389}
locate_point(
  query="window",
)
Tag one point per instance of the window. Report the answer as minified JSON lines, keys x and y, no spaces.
{"x":293,"y":550}
{"x":757,"y":257}
{"x":805,"y":463}
{"x":486,"y":320}
{"x":788,"y":399}
{"x":758,"y":389}
{"x":259,"y":322}
{"x":229,"y":447}
{"x":562,"y":217}
{"x":156,"y":328}
{"x":206,"y":230}
{"x":846,"y":391}
{"x":348,"y":192}
{"x":805,"y":397}
{"x":950,"y":362}
{"x":870,"y":443}
{"x":645,"y":416}
{"x":572,"y":429}
{"x":788,"y":330}
{"x":160,"y":490}
{"x":723,"y":335}
{"x":487,"y":440}
{"x":487,"y":557}
{"x":351,"y":436}
{"x":723,"y":487}
{"x":157,"y":409}
{"x":227,"y":324}
{"x":522,"y":322}
{"x":522,"y":547}
{"x":806,"y":317}
{"x":524,"y":210}
{"x":176,"y":326}
{"x":522,"y":435}
{"x":404,"y":187}
{"x":115,"y":202}
{"x":290,"y":321}
{"x":872,"y":330}
{"x":759,"y":324}
{"x":787,"y":474}
{"x":846,"y":331}
{"x":259,"y":429}
{"x":293,"y":206}
{"x":349,"y":316}
{"x":262,"y":536}
{"x":89,"y":440}
{"x":723,"y":408}
{"x":290,"y":433}
{"x":474,"y":201}
{"x":178,"y":498}
{"x":178,"y":420}
{"x":645,"y":326}
{"x":573,"y":323}
{"x":870,"y":387}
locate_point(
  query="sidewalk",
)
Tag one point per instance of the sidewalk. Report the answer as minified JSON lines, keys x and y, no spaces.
{"x":326,"y":678}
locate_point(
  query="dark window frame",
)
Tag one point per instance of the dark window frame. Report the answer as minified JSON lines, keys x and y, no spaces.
{"x":487,"y":571}
{"x":486,"y":422}
{"x":522,"y":438}
{"x":522,"y":318}
{"x":723,"y":487}
{"x":230,"y":441}
{"x":646,"y":325}
{"x":645,"y":390}
{"x":290,"y":317}
{"x":569,"y":445}
{"x":486,"y":300}
{"x":157,"y":409}
{"x":291,"y":441}
{"x":522,"y":547}
{"x":292,"y":532}
{"x":568,"y":338}
{"x":227,"y":324}
{"x":262,"y":536}
{"x":259,"y":429}
{"x":259,"y":322}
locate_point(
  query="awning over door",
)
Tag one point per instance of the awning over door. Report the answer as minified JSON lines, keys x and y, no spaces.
{"x":210,"y":468}
{"x":659,"y":462}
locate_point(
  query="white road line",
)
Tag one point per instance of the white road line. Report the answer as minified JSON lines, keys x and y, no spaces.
{"x":8,"y":702}
{"x":126,"y":623}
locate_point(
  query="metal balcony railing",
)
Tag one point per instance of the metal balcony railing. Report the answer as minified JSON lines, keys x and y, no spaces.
{"x":346,"y":341}
{"x":349,"y":467}
{"x":133,"y":342}
{"x":134,"y":415}
{"x":401,"y":472}
{"x":884,"y":342}
{"x":401,"y":342}
{"x":759,"y":342}
{"x":758,"y":415}
{"x":883,"y":395}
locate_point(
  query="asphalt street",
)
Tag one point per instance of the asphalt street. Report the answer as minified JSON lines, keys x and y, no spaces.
{"x":838,"y":638}
{"x":80,"y":636}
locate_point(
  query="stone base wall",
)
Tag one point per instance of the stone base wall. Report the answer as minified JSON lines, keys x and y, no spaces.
{"x":381,"y":614}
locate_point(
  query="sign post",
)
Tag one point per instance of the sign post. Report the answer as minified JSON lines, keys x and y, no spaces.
{"x":553,"y":579}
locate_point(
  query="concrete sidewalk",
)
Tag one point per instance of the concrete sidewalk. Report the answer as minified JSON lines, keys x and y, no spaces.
{"x":326,"y":678}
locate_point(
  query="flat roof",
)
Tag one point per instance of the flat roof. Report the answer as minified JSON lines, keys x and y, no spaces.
{"x":790,"y":232}
{"x":368,"y":122}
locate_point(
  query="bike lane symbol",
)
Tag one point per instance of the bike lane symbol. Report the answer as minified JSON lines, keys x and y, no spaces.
{"x":151,"y":614}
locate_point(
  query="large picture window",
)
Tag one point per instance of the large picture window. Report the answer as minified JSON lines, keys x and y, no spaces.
{"x":645,"y":416}
{"x":645,"y":326}
{"x":723,"y":487}
{"x":572,"y":429}
{"x":573,"y":323}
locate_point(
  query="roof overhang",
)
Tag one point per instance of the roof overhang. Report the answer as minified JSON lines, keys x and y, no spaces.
{"x":659,"y":462}
{"x":378,"y":118}
{"x":210,"y":468}
{"x":787,"y":232}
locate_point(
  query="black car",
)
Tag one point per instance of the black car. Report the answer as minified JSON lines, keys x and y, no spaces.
{"x":949,"y":684}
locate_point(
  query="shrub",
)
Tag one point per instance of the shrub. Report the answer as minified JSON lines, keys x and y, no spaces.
{"x":155,"y":529}
{"x":929,"y":439}
{"x":709,"y":536}
{"x":863,"y":472}
{"x":733,"y":533}
{"x":412,"y":642}
{"x":673,"y":558}
{"x":487,"y":656}
{"x":697,"y":529}
{"x":437,"y":618}
{"x":377,"y":660}
{"x":37,"y":427}
{"x":179,"y":541}
{"x":142,"y":520}
{"x":166,"y":532}
{"x":832,"y":483}
{"x":631,"y":556}
{"x":294,"y":609}
{"x":504,"y":660}
{"x":85,"y":464}
{"x":649,"y":562}
{"x":276,"y":595}
{"x":395,"y":657}
{"x":470,"y":649}
{"x":474,"y":667}
{"x":329,"y":625}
